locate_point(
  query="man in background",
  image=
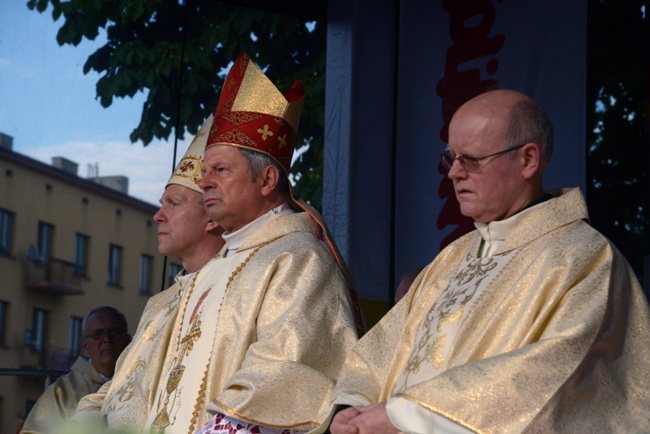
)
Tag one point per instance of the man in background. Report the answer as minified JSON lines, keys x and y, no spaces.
{"x":105,"y":335}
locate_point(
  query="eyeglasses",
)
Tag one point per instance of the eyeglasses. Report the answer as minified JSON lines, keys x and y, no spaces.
{"x":99,"y":334}
{"x":470,"y":164}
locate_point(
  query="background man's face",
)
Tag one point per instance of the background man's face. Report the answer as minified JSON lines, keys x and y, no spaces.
{"x":181,"y":221}
{"x":231,"y":198}
{"x":104,"y":340}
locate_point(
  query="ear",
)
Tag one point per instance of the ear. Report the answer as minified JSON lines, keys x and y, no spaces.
{"x":268,"y":179}
{"x":531,"y":156}
{"x":213,"y":228}
{"x":84,"y":346}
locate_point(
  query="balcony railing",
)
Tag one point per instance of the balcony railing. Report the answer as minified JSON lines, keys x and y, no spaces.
{"x":48,"y":358}
{"x":54,"y":276}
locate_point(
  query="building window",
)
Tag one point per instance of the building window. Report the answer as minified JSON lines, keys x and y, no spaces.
{"x":81,"y":254}
{"x":6,"y":231}
{"x":114,"y":265}
{"x":45,"y":234}
{"x":39,"y":329}
{"x":75,"y":335}
{"x":3,"y":323}
{"x":146,"y":271}
{"x":174,"y":269}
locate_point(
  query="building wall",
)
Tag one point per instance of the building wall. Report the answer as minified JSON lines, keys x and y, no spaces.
{"x":37,"y":192}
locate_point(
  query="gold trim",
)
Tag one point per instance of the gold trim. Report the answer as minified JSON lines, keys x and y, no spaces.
{"x":441,"y":412}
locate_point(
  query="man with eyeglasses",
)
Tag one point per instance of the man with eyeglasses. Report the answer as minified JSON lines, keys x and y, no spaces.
{"x":105,"y":335}
{"x":532,"y":323}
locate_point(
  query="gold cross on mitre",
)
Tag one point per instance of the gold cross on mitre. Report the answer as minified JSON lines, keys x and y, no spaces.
{"x":265,"y":132}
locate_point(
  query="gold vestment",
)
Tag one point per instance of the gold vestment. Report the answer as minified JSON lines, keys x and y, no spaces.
{"x":284,"y":329}
{"x":59,"y":401}
{"x":559,"y":340}
{"x":125,"y":401}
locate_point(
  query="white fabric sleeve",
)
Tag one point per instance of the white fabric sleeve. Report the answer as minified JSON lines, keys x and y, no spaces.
{"x":410,"y":417}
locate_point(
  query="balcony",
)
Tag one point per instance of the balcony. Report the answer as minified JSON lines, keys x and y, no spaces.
{"x":53,"y":276}
{"x":47,"y":358}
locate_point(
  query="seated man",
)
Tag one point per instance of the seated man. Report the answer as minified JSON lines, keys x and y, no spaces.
{"x":105,"y":335}
{"x":186,"y":232}
{"x":533,"y":323}
{"x":262,"y":338}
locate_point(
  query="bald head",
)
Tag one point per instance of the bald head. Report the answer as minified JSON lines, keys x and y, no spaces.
{"x":499,"y":143}
{"x":515,"y":117}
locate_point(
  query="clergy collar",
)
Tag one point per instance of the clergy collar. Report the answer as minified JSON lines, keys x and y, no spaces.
{"x":495,"y":232}
{"x":234,"y":240}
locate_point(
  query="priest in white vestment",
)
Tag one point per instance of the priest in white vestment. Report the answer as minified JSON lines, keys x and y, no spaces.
{"x":184,"y":232}
{"x":533,"y":323}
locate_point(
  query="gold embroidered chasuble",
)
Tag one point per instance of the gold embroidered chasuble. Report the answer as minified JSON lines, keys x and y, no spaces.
{"x":179,"y":402}
{"x":557,"y":341}
{"x":60,"y":400}
{"x":286,"y":325}
{"x":126,"y":400}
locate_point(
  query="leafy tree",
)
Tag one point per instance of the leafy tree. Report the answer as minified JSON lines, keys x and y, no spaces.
{"x":615,"y":166}
{"x":177,"y":54}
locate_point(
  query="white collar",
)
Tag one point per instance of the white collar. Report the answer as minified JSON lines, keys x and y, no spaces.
{"x":496,"y":232}
{"x":235,"y":240}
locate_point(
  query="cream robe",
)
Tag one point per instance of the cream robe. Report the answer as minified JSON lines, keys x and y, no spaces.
{"x":558,"y":341}
{"x":126,"y":400}
{"x":285,"y":327}
{"x":59,"y":401}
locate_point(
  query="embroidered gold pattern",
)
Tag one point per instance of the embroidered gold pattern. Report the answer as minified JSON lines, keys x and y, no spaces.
{"x":186,"y":343}
{"x":240,"y":118}
{"x":201,"y":397}
{"x":447,"y":309}
{"x":189,"y":167}
{"x":236,"y":136}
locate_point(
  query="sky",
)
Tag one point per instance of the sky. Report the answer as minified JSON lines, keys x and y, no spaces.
{"x":49,"y":107}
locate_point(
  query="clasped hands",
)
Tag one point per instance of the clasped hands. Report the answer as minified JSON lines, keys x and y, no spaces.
{"x":371,"y":419}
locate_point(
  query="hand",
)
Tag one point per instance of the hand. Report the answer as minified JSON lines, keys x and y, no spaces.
{"x":372,"y":419}
{"x":341,"y":422}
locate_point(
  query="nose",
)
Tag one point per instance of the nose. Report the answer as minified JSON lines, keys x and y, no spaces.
{"x":456,"y":171}
{"x":203,"y":183}
{"x":158,"y":217}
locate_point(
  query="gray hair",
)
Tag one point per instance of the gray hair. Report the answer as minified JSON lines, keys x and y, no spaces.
{"x":257,"y":161}
{"x":529,"y":123}
{"x":119,"y":315}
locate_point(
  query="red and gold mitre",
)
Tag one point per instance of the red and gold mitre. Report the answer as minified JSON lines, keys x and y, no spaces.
{"x":253,"y":114}
{"x":188,"y":171}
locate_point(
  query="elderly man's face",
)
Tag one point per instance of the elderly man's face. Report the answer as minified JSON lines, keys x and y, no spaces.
{"x":231,"y":198}
{"x":181,"y":221}
{"x":493,"y":192}
{"x":104,"y":340}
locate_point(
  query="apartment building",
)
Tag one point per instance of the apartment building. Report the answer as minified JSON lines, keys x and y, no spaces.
{"x":67,"y":244}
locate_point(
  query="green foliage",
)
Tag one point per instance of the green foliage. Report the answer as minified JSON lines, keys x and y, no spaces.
{"x":176,"y":53}
{"x":616,"y":172}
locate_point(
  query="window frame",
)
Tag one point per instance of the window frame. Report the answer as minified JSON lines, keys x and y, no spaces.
{"x":115,"y":255}
{"x":7,"y":219}
{"x":146,"y":274}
